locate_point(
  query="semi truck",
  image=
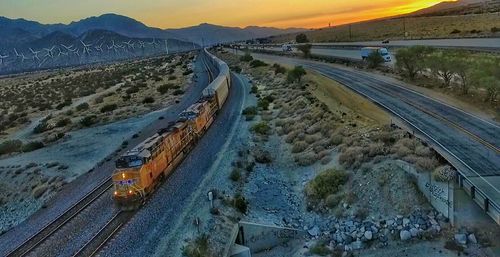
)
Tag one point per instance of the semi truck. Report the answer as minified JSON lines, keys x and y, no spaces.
{"x":366,"y":51}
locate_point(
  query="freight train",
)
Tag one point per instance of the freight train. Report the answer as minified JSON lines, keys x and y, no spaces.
{"x":140,"y":169}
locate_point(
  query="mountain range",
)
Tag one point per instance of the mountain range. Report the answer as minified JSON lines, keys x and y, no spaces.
{"x":20,"y":31}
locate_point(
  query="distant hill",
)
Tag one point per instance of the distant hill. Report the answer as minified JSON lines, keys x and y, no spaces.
{"x":211,"y":34}
{"x":446,"y":6}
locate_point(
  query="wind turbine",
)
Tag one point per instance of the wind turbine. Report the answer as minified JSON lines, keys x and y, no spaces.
{"x":166,"y":45}
{"x":99,"y":47}
{"x":3,"y":57}
{"x":35,"y":54}
{"x":86,"y":47}
{"x":129,"y":44}
{"x":68,"y":48}
{"x":50,"y":52}
{"x":141,"y":44}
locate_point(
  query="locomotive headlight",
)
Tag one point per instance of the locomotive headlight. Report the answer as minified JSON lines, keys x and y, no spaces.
{"x":116,"y":192}
{"x":123,"y":175}
{"x":130,"y":192}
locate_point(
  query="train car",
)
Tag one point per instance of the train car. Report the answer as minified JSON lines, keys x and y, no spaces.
{"x":139,"y":170}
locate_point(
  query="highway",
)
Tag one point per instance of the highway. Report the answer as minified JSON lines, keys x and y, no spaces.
{"x":468,"y":43}
{"x":470,"y":143}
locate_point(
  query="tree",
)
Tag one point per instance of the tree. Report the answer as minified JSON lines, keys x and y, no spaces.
{"x":374,"y":59}
{"x":487,"y":75}
{"x":246,"y":58}
{"x":410,"y":60}
{"x":464,"y":70}
{"x":305,"y":49}
{"x":301,"y":38}
{"x":441,"y":66}
{"x":296,"y":74}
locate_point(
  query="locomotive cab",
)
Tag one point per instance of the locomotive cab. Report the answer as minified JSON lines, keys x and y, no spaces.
{"x":126,"y":180}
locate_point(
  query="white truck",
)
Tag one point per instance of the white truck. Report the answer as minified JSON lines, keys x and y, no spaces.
{"x":286,"y":48}
{"x":366,"y":51}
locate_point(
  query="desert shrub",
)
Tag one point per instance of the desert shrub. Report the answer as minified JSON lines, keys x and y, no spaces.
{"x":32,"y":146}
{"x":444,"y":174}
{"x":148,"y":100}
{"x":320,"y":249}
{"x":362,"y":213}
{"x":411,"y":60}
{"x":305,"y":49}
{"x":278,"y":69}
{"x":198,"y":248}
{"x":254,"y":89}
{"x":351,"y":156}
{"x":326,"y":183}
{"x":88,"y":121}
{"x":240,"y":203}
{"x":336,"y":139}
{"x":109,"y":108}
{"x":301,"y":38}
{"x":257,"y":63}
{"x":333,"y":201}
{"x":132,"y":90}
{"x":261,"y":156}
{"x":82,"y":107}
{"x":163,"y":89}
{"x":375,"y":149}
{"x":178,"y":92}
{"x":39,"y":191}
{"x":299,"y":146}
{"x":495,"y":30}
{"x":235,"y":175}
{"x":455,"y":31}
{"x":10,"y":146}
{"x":263,"y":103}
{"x":250,"y":112}
{"x":312,"y":138}
{"x":426,"y":163}
{"x":63,"y":122}
{"x":421,"y":150}
{"x":374,"y":59}
{"x":67,"y":102}
{"x":172,"y":77}
{"x":261,"y":128}
{"x":296,"y":74}
{"x":236,"y":68}
{"x":246,"y":58}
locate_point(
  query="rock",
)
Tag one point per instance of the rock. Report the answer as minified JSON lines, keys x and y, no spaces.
{"x":383,"y":238}
{"x":399,"y":216}
{"x":404,"y":235}
{"x":472,"y":238}
{"x":313,"y":231}
{"x":374,"y":229}
{"x":357,"y":245}
{"x":461,"y":239}
{"x":390,"y":222}
{"x":369,"y":235}
{"x":347,"y":238}
{"x":414,"y":232}
{"x":406,"y":222}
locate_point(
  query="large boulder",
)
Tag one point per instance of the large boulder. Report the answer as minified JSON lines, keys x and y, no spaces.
{"x":461,"y":239}
{"x":405,"y":235}
{"x":368,"y":235}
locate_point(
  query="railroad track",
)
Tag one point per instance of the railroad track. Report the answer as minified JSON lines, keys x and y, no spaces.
{"x":104,"y":235}
{"x":48,"y":230}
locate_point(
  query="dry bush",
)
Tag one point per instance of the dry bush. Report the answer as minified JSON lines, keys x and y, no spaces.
{"x":422,"y":150}
{"x":325,"y":160}
{"x":444,"y":174}
{"x":39,"y":191}
{"x":426,"y":163}
{"x":310,"y":139}
{"x":299,"y":146}
{"x":326,"y":183}
{"x":291,"y":136}
{"x":375,"y":149}
{"x":306,"y":159}
{"x":336,"y":139}
{"x":351,"y":156}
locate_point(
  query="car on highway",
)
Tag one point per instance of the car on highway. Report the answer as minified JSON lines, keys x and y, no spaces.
{"x":385,"y":41}
{"x":286,"y":48}
{"x":366,"y":51}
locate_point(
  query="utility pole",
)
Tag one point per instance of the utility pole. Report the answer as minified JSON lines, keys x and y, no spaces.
{"x":404,"y":27}
{"x":166,"y":45}
{"x":350,"y":32}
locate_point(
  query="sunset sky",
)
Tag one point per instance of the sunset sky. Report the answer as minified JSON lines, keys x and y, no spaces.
{"x":241,"y":13}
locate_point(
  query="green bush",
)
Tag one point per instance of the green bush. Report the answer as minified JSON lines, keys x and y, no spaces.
{"x":82,"y":107}
{"x":88,"y":121}
{"x":178,"y":92}
{"x":326,"y":183}
{"x":240,"y":203}
{"x":10,"y":146}
{"x":32,"y":146}
{"x":305,"y":49}
{"x":63,"y":122}
{"x":109,"y":108}
{"x":278,"y":69}
{"x":320,"y":249}
{"x":374,"y":59}
{"x":261,"y":128}
{"x":263,"y":103}
{"x":250,"y":111}
{"x":246,"y":58}
{"x":41,"y":127}
{"x":132,"y":90}
{"x":198,"y":248}
{"x":163,"y":89}
{"x":254,"y":89}
{"x":235,"y":175}
{"x":411,"y":60}
{"x":301,"y":38}
{"x":236,"y":69}
{"x":257,"y":63}
{"x":172,"y":77}
{"x":148,"y":100}
{"x":296,"y":74}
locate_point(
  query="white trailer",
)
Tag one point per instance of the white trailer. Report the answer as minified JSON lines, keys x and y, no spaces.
{"x":366,"y":51}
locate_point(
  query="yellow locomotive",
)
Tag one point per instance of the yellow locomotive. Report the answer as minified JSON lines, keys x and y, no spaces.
{"x":139,"y":170}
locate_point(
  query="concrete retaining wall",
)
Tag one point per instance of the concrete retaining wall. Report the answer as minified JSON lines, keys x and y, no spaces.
{"x":439,"y":194}
{"x":259,"y":237}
